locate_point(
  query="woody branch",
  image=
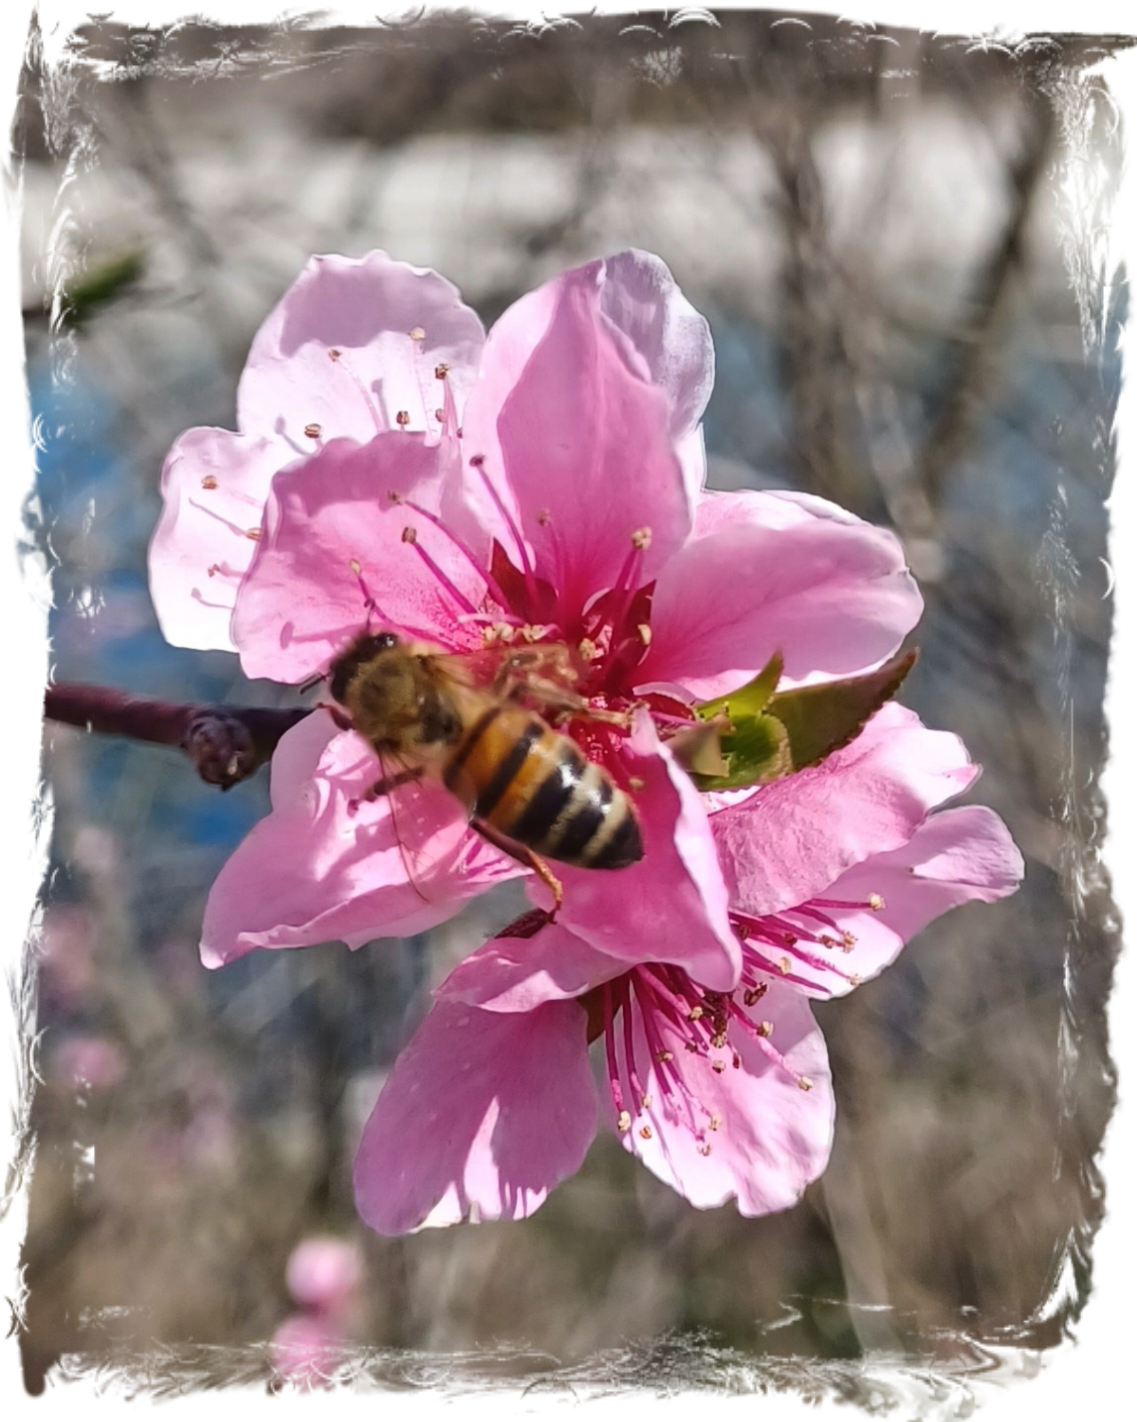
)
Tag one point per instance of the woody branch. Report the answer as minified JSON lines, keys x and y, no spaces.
{"x":226,"y":744}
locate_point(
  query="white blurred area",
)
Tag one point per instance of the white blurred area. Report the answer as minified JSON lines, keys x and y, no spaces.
{"x":912,"y":195}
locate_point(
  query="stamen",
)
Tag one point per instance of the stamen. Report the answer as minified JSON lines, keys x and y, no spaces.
{"x":254,"y":534}
{"x":762,"y":1032}
{"x":623,"y":1119}
{"x":656,"y":1000}
{"x":411,"y":536}
{"x":626,"y":584}
{"x":416,"y":333}
{"x":478,"y":462}
{"x":754,"y":959}
{"x":874,"y":902}
{"x":433,"y":518}
{"x":448,"y":415}
{"x":403,"y":418}
{"x":209,"y":481}
{"x":313,"y":431}
{"x":337,"y":356}
{"x":629,"y":1041}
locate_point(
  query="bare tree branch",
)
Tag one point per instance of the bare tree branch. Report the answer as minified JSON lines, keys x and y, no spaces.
{"x":975,"y":350}
{"x":226,"y":744}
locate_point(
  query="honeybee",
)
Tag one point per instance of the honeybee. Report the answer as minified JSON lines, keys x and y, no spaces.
{"x":528,"y":788}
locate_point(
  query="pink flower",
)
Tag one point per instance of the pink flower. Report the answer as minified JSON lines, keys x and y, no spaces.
{"x":325,"y":1274}
{"x":543,"y":487}
{"x":305,"y":1350}
{"x":723,"y":1095}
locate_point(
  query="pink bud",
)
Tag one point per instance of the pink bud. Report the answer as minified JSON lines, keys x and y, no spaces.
{"x":88,"y":1061}
{"x":324,"y":1273}
{"x":304,"y":1355}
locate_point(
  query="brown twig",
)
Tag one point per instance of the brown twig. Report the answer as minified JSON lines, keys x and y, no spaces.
{"x":227,"y":744}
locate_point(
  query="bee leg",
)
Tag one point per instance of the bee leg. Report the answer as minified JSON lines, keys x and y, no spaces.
{"x":524,"y":855}
{"x":387,"y":783}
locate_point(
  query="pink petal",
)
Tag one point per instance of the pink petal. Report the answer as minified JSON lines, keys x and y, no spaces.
{"x":569,"y":425}
{"x":303,"y":599}
{"x":313,"y":870}
{"x":365,"y":308}
{"x":773,"y":1136}
{"x":639,"y":296}
{"x":518,"y":974}
{"x":834,"y":597}
{"x":214,"y":486}
{"x":481,"y":1116}
{"x":955,"y":857}
{"x":790,"y":840}
{"x":717,"y":509}
{"x":671,"y":906}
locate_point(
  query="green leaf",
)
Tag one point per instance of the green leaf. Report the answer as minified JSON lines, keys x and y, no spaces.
{"x":83,"y":297}
{"x":766,"y":734}
{"x":748,"y":700}
{"x":821,"y":719}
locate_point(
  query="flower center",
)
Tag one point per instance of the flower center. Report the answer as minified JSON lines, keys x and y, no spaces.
{"x":582,"y":676}
{"x":654,"y":1019}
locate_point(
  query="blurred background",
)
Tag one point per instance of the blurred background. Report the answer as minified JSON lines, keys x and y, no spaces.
{"x":899,"y":242}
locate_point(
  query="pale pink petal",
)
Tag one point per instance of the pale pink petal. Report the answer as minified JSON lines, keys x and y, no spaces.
{"x":482,"y":1115}
{"x":671,"y":907}
{"x":955,"y":857}
{"x":773,"y":1137}
{"x":365,"y":309}
{"x":518,"y":974}
{"x":328,"y":864}
{"x":833,"y":597}
{"x":334,"y":536}
{"x":575,"y":439}
{"x":639,"y":296}
{"x":788,"y":842}
{"x":717,"y":509}
{"x":214,"y":486}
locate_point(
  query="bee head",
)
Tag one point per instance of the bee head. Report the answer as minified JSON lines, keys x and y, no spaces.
{"x":366,"y":646}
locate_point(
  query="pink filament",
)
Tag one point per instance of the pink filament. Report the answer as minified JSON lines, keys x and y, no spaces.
{"x":459,"y":597}
{"x":479,"y":464}
{"x":487,"y":578}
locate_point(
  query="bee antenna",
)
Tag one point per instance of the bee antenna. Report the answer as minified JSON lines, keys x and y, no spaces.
{"x":312,"y":681}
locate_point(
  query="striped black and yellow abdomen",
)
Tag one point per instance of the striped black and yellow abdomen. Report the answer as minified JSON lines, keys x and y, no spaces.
{"x":536,"y":787}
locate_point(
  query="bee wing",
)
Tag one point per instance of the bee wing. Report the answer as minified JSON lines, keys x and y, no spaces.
{"x":414,"y":802}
